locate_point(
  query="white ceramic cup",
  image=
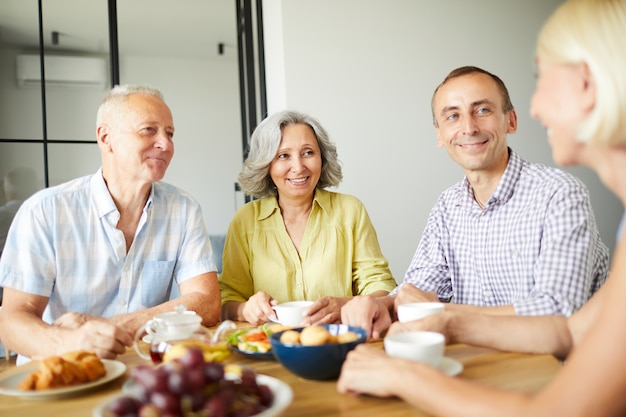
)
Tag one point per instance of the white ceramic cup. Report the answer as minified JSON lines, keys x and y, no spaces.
{"x":291,"y":313}
{"x":416,"y":311}
{"x":426,"y":347}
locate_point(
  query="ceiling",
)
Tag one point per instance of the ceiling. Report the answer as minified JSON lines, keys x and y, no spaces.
{"x":171,"y":28}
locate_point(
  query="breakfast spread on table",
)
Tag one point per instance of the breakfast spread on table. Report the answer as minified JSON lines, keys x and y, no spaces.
{"x":72,"y":368}
{"x":231,"y":387}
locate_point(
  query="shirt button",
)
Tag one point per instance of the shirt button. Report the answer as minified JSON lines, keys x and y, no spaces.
{"x":126,"y":268}
{"x":487,"y":294}
{"x":123,"y":302}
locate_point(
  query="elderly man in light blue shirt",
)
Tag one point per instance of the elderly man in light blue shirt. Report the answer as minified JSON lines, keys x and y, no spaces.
{"x":86,"y":263}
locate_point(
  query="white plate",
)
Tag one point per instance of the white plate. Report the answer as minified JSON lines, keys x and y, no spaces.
{"x":10,"y":380}
{"x":283,"y":395}
{"x":450,"y":366}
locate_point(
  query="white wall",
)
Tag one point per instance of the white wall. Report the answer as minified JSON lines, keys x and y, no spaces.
{"x":367,"y":70}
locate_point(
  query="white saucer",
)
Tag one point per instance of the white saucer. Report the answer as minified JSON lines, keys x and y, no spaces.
{"x":450,"y":366}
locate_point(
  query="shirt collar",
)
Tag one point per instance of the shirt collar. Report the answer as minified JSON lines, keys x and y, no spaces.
{"x":102,"y":197}
{"x":269,"y":205}
{"x":506,"y":186}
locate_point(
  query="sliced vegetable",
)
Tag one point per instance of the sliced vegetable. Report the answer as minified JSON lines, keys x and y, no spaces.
{"x":252,"y":340}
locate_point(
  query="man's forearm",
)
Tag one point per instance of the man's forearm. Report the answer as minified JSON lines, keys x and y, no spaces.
{"x":467,"y":308}
{"x":30,"y":336}
{"x":209,"y":311}
{"x":529,"y":334}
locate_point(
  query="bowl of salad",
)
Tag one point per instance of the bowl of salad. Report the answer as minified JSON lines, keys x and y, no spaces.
{"x":254,"y":342}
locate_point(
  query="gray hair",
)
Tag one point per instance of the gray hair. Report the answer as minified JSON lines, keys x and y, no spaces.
{"x":119,"y":93}
{"x":255,"y":179}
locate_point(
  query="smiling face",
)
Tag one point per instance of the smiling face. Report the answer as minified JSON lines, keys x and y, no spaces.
{"x":471,"y":123}
{"x":136,"y":140}
{"x":557,"y":104}
{"x":297,"y":167}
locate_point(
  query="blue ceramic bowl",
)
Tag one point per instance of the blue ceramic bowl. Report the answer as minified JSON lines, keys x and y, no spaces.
{"x":321,"y":362}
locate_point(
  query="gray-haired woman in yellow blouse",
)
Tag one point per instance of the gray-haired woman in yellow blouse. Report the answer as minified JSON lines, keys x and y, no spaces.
{"x":297,"y":241}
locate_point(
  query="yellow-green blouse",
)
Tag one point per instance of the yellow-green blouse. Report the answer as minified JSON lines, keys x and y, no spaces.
{"x":339,"y":253}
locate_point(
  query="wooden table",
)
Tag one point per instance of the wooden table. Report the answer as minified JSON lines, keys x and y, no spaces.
{"x":522,"y":372}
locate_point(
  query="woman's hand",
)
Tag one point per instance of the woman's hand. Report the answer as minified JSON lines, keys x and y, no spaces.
{"x":258,"y":309}
{"x":369,"y":370}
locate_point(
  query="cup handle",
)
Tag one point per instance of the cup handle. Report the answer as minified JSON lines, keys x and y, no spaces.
{"x":146,"y":328}
{"x":276,"y":320}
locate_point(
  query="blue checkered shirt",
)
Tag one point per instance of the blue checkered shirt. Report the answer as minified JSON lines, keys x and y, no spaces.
{"x":64,"y":244}
{"x":534,"y":246}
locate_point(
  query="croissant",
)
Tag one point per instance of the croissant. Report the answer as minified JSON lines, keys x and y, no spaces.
{"x":62,"y":371}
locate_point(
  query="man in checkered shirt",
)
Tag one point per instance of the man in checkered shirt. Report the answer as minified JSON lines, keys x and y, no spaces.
{"x":511,"y":238}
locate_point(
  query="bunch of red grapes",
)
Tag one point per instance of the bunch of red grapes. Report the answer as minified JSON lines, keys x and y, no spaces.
{"x":189,"y":386}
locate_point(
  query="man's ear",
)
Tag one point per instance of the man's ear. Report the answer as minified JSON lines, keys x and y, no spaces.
{"x":511,"y":121}
{"x":103,"y":138}
{"x":589,"y":89}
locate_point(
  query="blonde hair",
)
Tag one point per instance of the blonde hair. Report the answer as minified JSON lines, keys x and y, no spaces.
{"x":593,"y":32}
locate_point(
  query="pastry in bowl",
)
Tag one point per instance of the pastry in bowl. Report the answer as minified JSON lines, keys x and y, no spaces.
{"x":319,"y":351}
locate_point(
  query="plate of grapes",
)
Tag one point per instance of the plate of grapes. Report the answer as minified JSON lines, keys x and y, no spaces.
{"x":190,"y":385}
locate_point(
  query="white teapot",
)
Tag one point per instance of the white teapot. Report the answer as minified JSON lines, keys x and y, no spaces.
{"x":166,"y":329}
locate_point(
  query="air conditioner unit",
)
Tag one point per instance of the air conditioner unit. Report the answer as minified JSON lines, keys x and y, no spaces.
{"x":66,"y":71}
